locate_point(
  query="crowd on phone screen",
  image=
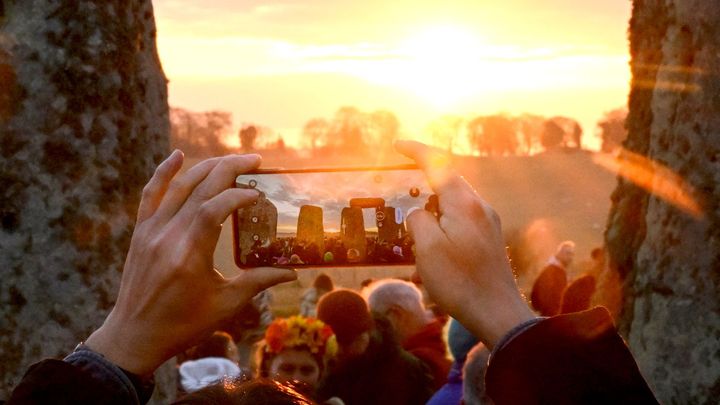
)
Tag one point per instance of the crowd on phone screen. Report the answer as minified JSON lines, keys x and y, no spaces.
{"x":289,"y":251}
{"x":380,"y":344}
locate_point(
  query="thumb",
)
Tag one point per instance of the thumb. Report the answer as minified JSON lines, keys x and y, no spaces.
{"x":254,"y":280}
{"x":424,"y":229}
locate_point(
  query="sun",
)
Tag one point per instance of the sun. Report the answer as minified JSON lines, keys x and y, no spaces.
{"x":442,"y":64}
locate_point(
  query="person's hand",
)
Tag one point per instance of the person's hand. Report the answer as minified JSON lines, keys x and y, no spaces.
{"x":460,"y":256}
{"x":170,"y":294}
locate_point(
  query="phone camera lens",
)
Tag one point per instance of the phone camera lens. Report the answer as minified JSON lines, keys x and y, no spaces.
{"x":414,"y":192}
{"x":252,"y":183}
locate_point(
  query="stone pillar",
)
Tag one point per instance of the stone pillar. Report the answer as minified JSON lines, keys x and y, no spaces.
{"x":352,"y":227}
{"x":310,"y":226}
{"x":666,"y":246}
{"x":83,"y":124}
{"x":388,"y":228}
{"x":257,"y":223}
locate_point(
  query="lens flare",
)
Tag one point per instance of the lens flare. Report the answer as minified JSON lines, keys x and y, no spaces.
{"x":654,"y":177}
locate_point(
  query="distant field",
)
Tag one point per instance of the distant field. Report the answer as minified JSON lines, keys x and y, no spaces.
{"x":553,"y":197}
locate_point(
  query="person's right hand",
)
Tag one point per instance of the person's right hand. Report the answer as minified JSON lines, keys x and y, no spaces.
{"x":170,"y":294}
{"x":461,"y":256}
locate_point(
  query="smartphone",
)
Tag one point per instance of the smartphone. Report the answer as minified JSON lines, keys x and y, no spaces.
{"x":333,"y":217}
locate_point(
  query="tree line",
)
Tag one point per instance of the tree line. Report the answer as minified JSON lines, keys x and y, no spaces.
{"x":351,"y":130}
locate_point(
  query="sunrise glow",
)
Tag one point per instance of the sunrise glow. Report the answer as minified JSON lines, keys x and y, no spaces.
{"x":281,"y":65}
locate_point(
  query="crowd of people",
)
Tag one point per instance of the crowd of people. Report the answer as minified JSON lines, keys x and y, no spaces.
{"x":380,"y":345}
{"x":289,"y":251}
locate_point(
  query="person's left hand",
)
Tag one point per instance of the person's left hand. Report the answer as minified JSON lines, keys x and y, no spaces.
{"x":170,"y":294}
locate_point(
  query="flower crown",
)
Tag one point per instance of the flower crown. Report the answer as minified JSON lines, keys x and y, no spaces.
{"x":300,"y":332}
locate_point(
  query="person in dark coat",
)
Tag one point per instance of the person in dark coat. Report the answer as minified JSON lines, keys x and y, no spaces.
{"x":578,"y":294}
{"x":547,"y":291}
{"x":372,"y":368}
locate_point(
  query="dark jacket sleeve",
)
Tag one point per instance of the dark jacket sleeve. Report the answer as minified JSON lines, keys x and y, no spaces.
{"x":84,"y":377}
{"x":576,"y":358}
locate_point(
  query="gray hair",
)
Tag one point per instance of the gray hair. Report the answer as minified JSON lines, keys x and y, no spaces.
{"x":383,"y":294}
{"x":474,"y":376}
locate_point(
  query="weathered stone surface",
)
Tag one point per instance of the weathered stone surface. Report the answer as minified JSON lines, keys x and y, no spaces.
{"x":352,"y":225}
{"x":258,"y":222}
{"x":310,"y":226}
{"x":388,"y":229}
{"x":83,"y":123}
{"x":668,"y":258}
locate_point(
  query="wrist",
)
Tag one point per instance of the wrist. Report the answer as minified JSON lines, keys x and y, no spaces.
{"x":491,"y":321}
{"x":123,"y":350}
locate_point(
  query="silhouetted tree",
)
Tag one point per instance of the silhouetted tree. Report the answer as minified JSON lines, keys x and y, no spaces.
{"x":280,"y":144}
{"x":383,"y":129}
{"x":552,"y":135}
{"x":499,"y":135}
{"x":577,"y":132}
{"x":572,"y":132}
{"x":248,"y":135}
{"x":348,"y":130}
{"x":315,"y":132}
{"x":530,"y":128}
{"x":445,"y":131}
{"x":199,"y":134}
{"x":561,"y":132}
{"x":612,"y":129}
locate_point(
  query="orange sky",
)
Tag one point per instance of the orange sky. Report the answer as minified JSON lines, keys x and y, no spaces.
{"x":280,"y":63}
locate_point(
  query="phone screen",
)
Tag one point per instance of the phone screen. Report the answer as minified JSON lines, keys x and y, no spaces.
{"x":331,"y":218}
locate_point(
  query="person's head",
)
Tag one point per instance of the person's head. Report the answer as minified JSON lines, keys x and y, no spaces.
{"x":565,"y":253}
{"x":252,"y":392}
{"x":474,"y":376}
{"x":323,"y":282}
{"x":296,"y":349}
{"x":349,"y":317}
{"x":401,"y":303}
{"x":219,"y":344}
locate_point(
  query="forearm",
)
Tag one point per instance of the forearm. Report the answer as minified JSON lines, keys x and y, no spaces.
{"x":83,"y":377}
{"x":125,"y":384}
{"x":572,"y":358}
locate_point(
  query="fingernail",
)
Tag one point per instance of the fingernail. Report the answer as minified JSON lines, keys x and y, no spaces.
{"x":411,"y":210}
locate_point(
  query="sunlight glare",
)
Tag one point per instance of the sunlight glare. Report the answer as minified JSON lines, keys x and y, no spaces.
{"x":654,"y":177}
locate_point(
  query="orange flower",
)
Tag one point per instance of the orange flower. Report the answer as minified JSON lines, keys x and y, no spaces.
{"x":300,"y":332}
{"x":275,"y":335}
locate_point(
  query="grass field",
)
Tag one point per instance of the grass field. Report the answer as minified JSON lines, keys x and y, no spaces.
{"x":549,"y":197}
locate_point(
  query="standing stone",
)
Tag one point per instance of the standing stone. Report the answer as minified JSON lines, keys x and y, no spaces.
{"x":83,"y":124}
{"x":352,"y":226}
{"x":669,"y":258}
{"x":310,"y":226}
{"x":257,"y":223}
{"x":388,"y":229}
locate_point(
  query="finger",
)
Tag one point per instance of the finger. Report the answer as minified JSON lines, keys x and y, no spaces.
{"x":223,"y":175}
{"x":155,"y":189}
{"x":425,"y":231}
{"x":250,"y":282}
{"x":205,"y":226}
{"x":180,"y":188}
{"x":452,"y":190}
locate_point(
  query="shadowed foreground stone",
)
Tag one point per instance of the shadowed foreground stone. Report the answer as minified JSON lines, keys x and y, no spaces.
{"x":83,"y":123}
{"x":668,"y":254}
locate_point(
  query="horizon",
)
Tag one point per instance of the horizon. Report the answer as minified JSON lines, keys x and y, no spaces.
{"x":281,"y":64}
